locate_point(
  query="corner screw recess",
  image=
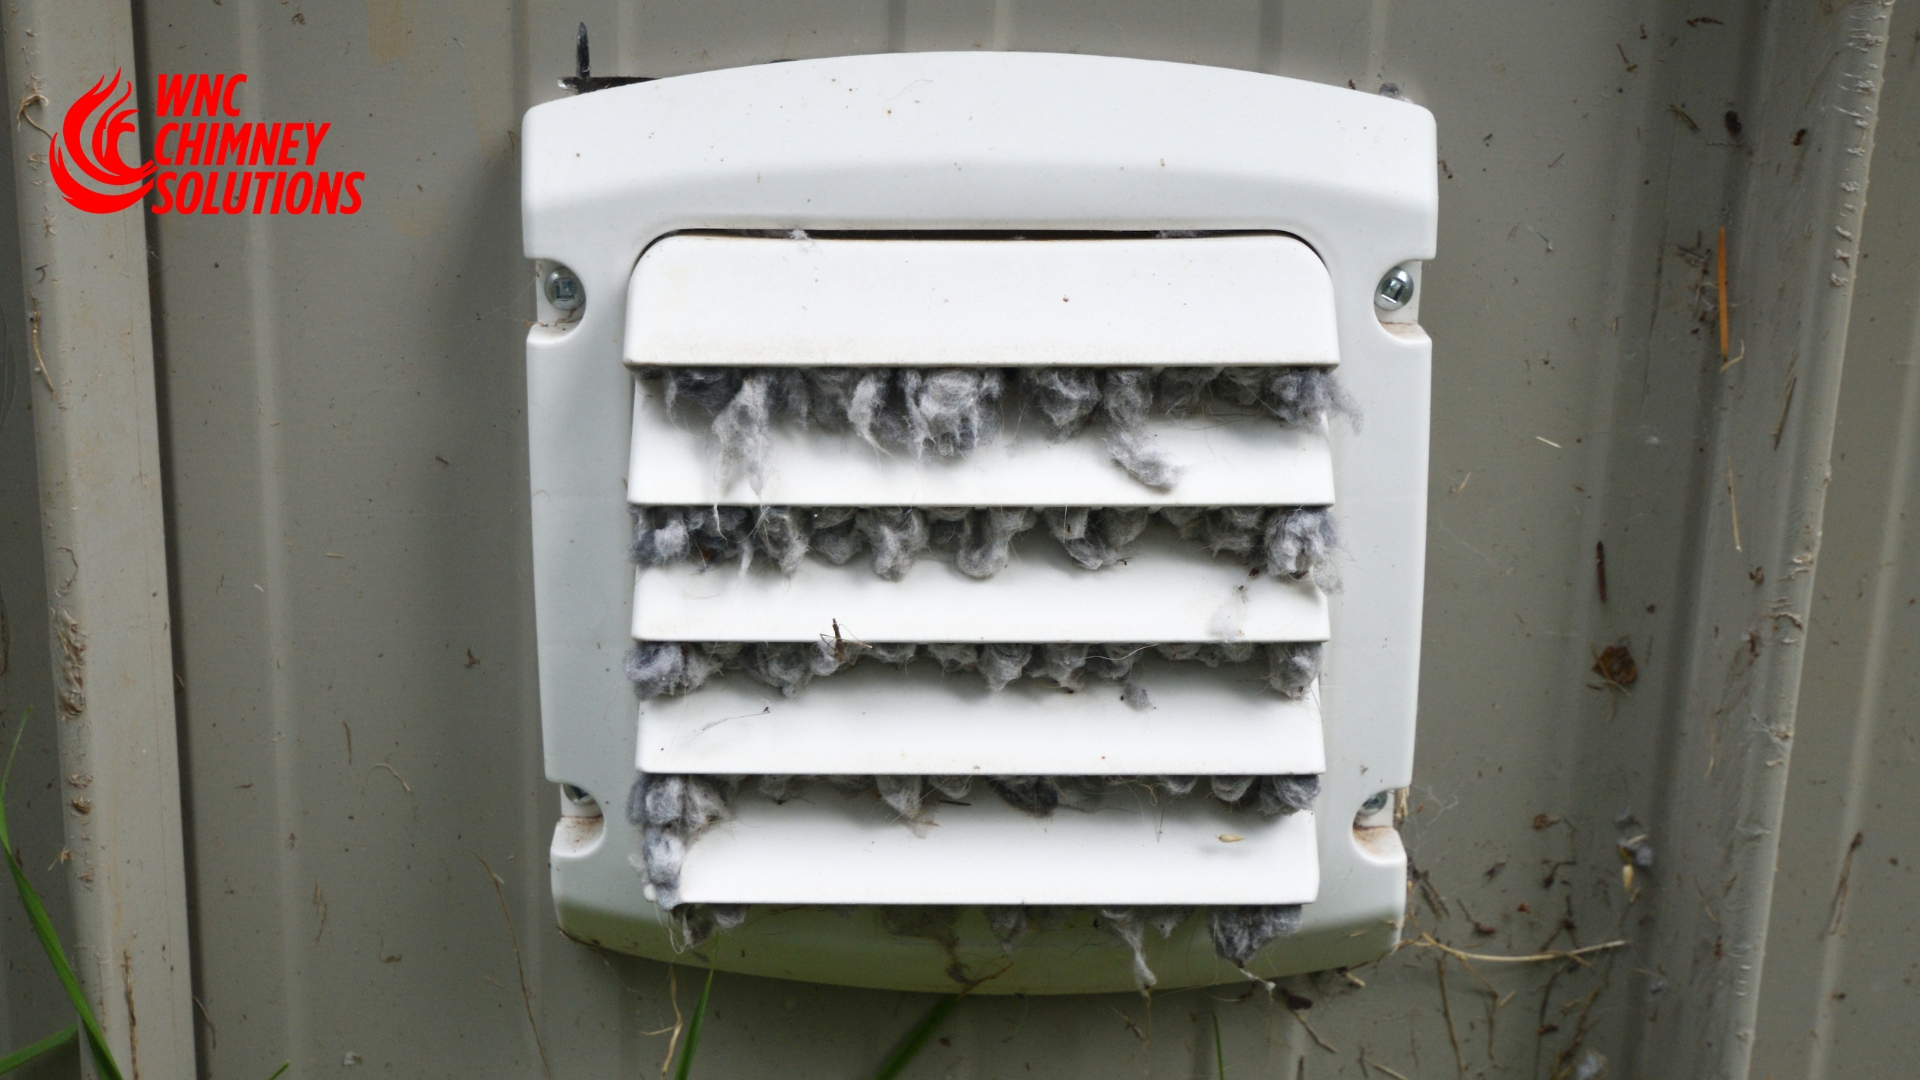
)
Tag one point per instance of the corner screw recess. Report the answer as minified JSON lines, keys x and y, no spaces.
{"x":564,"y":290}
{"x":1394,"y":290}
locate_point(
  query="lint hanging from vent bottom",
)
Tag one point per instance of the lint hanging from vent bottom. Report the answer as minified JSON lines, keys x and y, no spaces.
{"x":673,"y":811}
{"x":1237,"y":932}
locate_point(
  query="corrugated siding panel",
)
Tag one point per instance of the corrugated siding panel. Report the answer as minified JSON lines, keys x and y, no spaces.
{"x":347,"y":489}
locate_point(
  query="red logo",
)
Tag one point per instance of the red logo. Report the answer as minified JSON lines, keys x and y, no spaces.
{"x":206,"y":162}
{"x":103,"y":164}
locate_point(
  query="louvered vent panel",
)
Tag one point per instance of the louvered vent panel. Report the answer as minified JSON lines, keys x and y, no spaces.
{"x":834,"y":850}
{"x":742,"y":301}
{"x":716,"y":301}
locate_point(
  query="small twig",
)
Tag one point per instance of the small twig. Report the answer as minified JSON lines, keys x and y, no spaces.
{"x":1839,"y":907}
{"x":396,"y":775}
{"x":1376,"y":1065}
{"x":39,"y":361}
{"x":1549,"y":442}
{"x":1580,"y":1028}
{"x":34,"y":97}
{"x":1704,"y":906}
{"x":1720,"y":278}
{"x":679,"y":1021}
{"x":213,"y":1033}
{"x":1736,"y":359}
{"x":1446,"y":1010}
{"x":1427,"y":939}
{"x":1427,"y":942}
{"x":1733,"y":505}
{"x":526,"y":992}
{"x":1324,"y":1044}
{"x":1131,"y":1026}
{"x":1792,"y":381}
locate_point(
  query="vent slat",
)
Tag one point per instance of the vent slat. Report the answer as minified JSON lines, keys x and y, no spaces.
{"x":1172,"y":593}
{"x":1225,"y":461}
{"x":877,"y":720}
{"x":746,"y":301}
{"x":830,"y":849}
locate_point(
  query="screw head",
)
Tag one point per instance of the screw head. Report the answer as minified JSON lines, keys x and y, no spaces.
{"x":564,"y":290}
{"x":1375,"y":804}
{"x":1394,"y":290}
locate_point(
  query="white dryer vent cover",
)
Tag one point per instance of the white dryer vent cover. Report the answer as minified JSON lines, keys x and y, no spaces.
{"x":978,"y":516}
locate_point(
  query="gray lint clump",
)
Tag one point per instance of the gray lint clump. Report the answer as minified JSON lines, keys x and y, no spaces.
{"x":1290,"y":542}
{"x":1124,"y":924}
{"x":669,"y":669}
{"x":672,"y":812}
{"x":953,"y":411}
{"x":1240,"y":932}
{"x":698,"y":923}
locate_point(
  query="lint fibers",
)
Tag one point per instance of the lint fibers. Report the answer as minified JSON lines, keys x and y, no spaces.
{"x":672,"y":811}
{"x":1290,"y":542}
{"x":953,"y":411}
{"x":950,"y":413}
{"x":666,"y":668}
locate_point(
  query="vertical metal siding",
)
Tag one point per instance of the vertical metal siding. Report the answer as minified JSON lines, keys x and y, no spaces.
{"x":348,"y":495}
{"x":1843,"y":951}
{"x":32,"y":1004}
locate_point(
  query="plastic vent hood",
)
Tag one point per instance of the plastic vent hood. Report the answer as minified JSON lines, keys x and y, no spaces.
{"x":1006,"y":211}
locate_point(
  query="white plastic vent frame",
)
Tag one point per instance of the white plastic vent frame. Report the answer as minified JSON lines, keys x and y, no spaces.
{"x":969,"y":144}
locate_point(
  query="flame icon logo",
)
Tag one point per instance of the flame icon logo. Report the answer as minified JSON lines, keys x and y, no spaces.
{"x":103,"y":164}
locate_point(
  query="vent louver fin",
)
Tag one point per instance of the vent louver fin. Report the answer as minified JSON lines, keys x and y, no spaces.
{"x":1257,"y":301}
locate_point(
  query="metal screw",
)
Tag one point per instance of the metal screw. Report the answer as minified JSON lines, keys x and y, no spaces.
{"x":1394,"y":290}
{"x":1375,"y":804}
{"x":564,"y":290}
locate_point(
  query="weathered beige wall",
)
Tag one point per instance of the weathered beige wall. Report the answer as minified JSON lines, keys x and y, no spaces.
{"x":346,"y":449}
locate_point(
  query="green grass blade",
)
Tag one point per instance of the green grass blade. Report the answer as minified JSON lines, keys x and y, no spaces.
{"x":283,"y":1068}
{"x":693,"y":1031}
{"x":1219,"y":1054}
{"x":45,"y":1046}
{"x":43,"y":929}
{"x":910,"y":1046}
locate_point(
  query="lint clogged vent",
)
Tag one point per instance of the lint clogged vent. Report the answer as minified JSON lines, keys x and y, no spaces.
{"x":980,"y":536}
